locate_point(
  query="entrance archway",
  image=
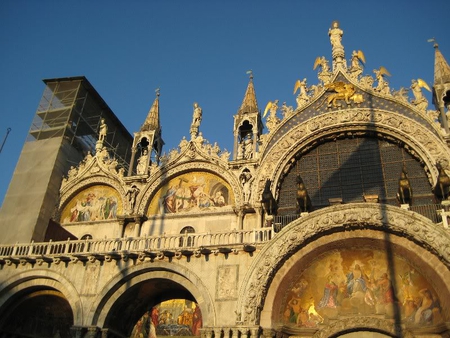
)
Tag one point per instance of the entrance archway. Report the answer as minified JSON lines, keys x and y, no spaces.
{"x":38,"y":313}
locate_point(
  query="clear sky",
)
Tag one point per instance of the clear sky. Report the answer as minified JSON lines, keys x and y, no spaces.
{"x":198,"y":51}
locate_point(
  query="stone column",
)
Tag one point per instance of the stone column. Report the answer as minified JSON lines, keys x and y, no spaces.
{"x":133,"y":157}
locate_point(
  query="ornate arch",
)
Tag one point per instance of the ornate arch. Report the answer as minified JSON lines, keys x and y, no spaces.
{"x":418,"y":139}
{"x":43,"y":278}
{"x":374,"y":324}
{"x":158,"y":180}
{"x":88,"y":182}
{"x":127,"y":278}
{"x":339,"y":218}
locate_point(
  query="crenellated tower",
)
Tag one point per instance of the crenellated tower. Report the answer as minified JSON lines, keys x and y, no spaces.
{"x":247,"y":126}
{"x":147,"y":142}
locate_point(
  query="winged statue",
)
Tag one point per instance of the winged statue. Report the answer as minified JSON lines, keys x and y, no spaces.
{"x":271,"y":106}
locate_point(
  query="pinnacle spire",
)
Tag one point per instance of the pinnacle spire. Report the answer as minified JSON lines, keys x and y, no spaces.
{"x":152,"y":120}
{"x":249,"y":104}
{"x":441,"y":67}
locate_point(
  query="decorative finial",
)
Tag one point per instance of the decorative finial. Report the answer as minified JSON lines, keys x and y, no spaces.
{"x":435,"y":45}
{"x":250,"y":72}
{"x":157,"y":92}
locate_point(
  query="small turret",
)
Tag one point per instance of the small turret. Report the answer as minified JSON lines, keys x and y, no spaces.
{"x":247,"y":125}
{"x":441,"y":86}
{"x":147,"y":142}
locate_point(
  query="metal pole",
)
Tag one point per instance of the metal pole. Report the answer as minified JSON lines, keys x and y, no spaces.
{"x":4,"y":140}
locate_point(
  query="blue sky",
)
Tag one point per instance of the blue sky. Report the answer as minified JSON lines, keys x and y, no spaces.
{"x":198,"y":51}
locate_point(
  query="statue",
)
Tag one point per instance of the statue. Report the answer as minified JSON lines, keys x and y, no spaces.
{"x":343,"y":91}
{"x":383,"y":85}
{"x":286,"y":110}
{"x":196,"y":120}
{"x":142,"y":163}
{"x":302,"y":97}
{"x":268,"y":201}
{"x":325,"y":74}
{"x":103,"y":130}
{"x":225,"y":155}
{"x":248,"y":146}
{"x":404,"y":194}
{"x":419,"y":100}
{"x":335,"y":34}
{"x":357,"y":60}
{"x":303,"y":200}
{"x":183,"y":144}
{"x":441,"y":189}
{"x":273,"y":119}
{"x":132,"y":193}
{"x":246,"y":180}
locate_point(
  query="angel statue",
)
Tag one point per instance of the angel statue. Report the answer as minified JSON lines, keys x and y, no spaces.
{"x":383,"y":85}
{"x":302,"y":97}
{"x":325,"y":74}
{"x":419,"y":100}
{"x":272,"y":119}
{"x":357,"y":62}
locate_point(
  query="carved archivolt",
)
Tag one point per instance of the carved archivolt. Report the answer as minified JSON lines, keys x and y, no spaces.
{"x":419,"y":140}
{"x":337,"y":218}
{"x":376,"y":324}
{"x":164,"y":175}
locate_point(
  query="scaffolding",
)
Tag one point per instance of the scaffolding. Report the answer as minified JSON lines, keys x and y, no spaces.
{"x":72,"y":108}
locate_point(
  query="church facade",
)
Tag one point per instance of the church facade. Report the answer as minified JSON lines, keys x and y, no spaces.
{"x":328,"y":219}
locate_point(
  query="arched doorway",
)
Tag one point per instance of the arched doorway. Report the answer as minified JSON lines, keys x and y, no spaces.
{"x":38,"y":313}
{"x":156,"y":306}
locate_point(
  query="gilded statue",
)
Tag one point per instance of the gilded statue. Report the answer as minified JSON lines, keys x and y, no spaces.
{"x":357,"y":62}
{"x":383,"y":85}
{"x":268,"y":201}
{"x":302,"y":97}
{"x":325,"y":74}
{"x":342,"y":91}
{"x":441,"y":189}
{"x":335,"y":34}
{"x":419,"y":99}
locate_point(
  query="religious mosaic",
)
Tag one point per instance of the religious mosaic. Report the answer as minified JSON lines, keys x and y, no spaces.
{"x":96,"y":203}
{"x":176,"y":317}
{"x":363,"y":283}
{"x":194,"y":191}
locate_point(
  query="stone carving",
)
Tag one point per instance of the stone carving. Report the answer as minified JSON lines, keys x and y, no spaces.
{"x":401,"y":94}
{"x":419,"y":100}
{"x":286,"y":110}
{"x":324,"y":75}
{"x":382,"y":86}
{"x":196,"y":120}
{"x":272,"y":120}
{"x":103,"y":131}
{"x":343,"y":217}
{"x":131,"y":195}
{"x":337,"y":52}
{"x":142,"y":163}
{"x":357,"y":61}
{"x":302,"y":97}
{"x":246,"y":181}
{"x":184,"y":144}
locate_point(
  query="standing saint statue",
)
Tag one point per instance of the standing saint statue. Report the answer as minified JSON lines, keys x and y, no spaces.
{"x":196,"y":120}
{"x":103,"y":130}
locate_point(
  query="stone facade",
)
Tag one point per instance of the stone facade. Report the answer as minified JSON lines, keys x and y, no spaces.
{"x":246,"y":246}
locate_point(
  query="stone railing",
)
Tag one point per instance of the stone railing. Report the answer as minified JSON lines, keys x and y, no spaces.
{"x":153,"y":246}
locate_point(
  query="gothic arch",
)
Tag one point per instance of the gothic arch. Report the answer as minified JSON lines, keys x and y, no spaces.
{"x":42,"y":279}
{"x":337,"y":219}
{"x":134,"y":275}
{"x":163,"y":176}
{"x":424,"y":144}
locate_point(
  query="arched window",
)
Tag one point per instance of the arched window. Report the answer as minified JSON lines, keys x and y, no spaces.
{"x":187,"y":240}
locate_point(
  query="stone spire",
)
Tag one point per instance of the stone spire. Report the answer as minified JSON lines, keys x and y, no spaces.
{"x":441,"y":86}
{"x":152,"y":120}
{"x":247,"y":126}
{"x":249,"y":104}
